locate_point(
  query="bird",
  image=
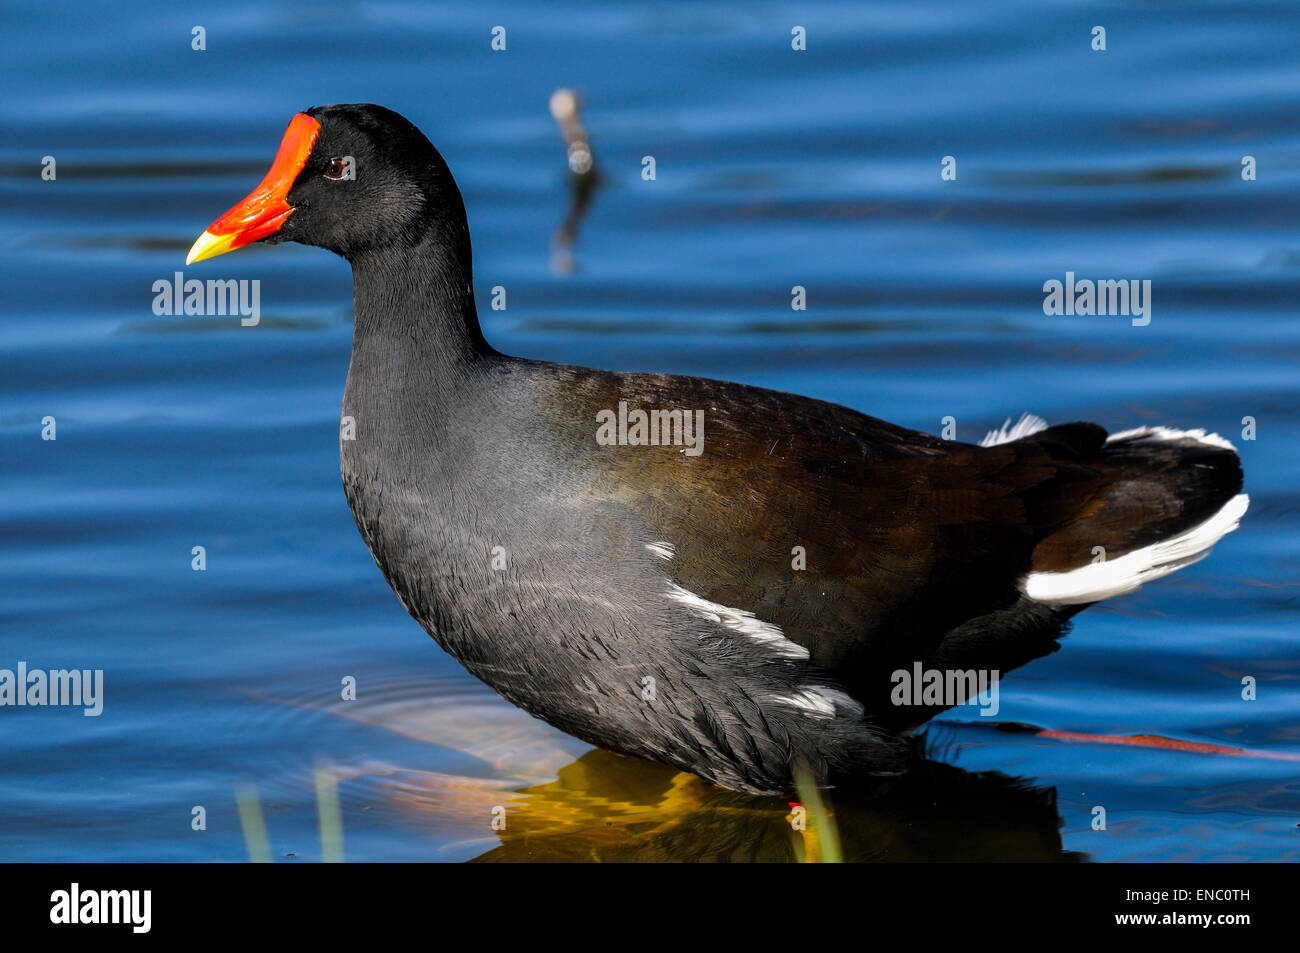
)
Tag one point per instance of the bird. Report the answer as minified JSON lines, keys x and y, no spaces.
{"x":722,"y":578}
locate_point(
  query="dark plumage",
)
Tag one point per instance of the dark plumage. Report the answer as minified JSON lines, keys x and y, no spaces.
{"x":628,"y":563}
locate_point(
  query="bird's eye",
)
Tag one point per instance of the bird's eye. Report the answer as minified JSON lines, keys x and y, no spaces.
{"x":336,"y":169}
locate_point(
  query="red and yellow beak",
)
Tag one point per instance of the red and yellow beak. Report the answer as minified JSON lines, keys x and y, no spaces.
{"x":266,"y":207}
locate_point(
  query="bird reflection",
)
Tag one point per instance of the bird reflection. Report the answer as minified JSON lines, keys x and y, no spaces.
{"x":522,"y":791}
{"x":608,"y":807}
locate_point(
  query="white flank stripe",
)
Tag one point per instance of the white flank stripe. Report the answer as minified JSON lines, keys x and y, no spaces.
{"x":662,"y":550}
{"x":821,"y":702}
{"x":739,"y":620}
{"x":1116,"y":577}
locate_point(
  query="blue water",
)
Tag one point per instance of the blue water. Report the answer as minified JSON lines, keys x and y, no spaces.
{"x":774,"y":168}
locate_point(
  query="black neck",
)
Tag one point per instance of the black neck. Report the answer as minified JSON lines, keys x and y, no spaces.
{"x":415,"y":305}
{"x":418,"y":361}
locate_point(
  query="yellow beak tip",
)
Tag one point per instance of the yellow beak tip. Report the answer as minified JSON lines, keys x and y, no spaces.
{"x":209,"y":246}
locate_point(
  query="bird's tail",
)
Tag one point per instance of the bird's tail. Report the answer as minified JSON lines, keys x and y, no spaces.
{"x":1176,"y":494}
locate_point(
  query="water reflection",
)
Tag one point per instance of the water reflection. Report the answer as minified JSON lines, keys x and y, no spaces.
{"x":564,"y":801}
{"x":583,"y":178}
{"x":607,"y":807}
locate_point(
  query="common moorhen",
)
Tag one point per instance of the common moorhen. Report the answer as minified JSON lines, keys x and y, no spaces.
{"x":716,"y":576}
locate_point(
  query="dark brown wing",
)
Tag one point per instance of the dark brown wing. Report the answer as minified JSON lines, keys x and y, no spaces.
{"x":903,"y":535}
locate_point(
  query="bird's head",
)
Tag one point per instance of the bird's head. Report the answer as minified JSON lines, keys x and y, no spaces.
{"x":349,"y":178}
